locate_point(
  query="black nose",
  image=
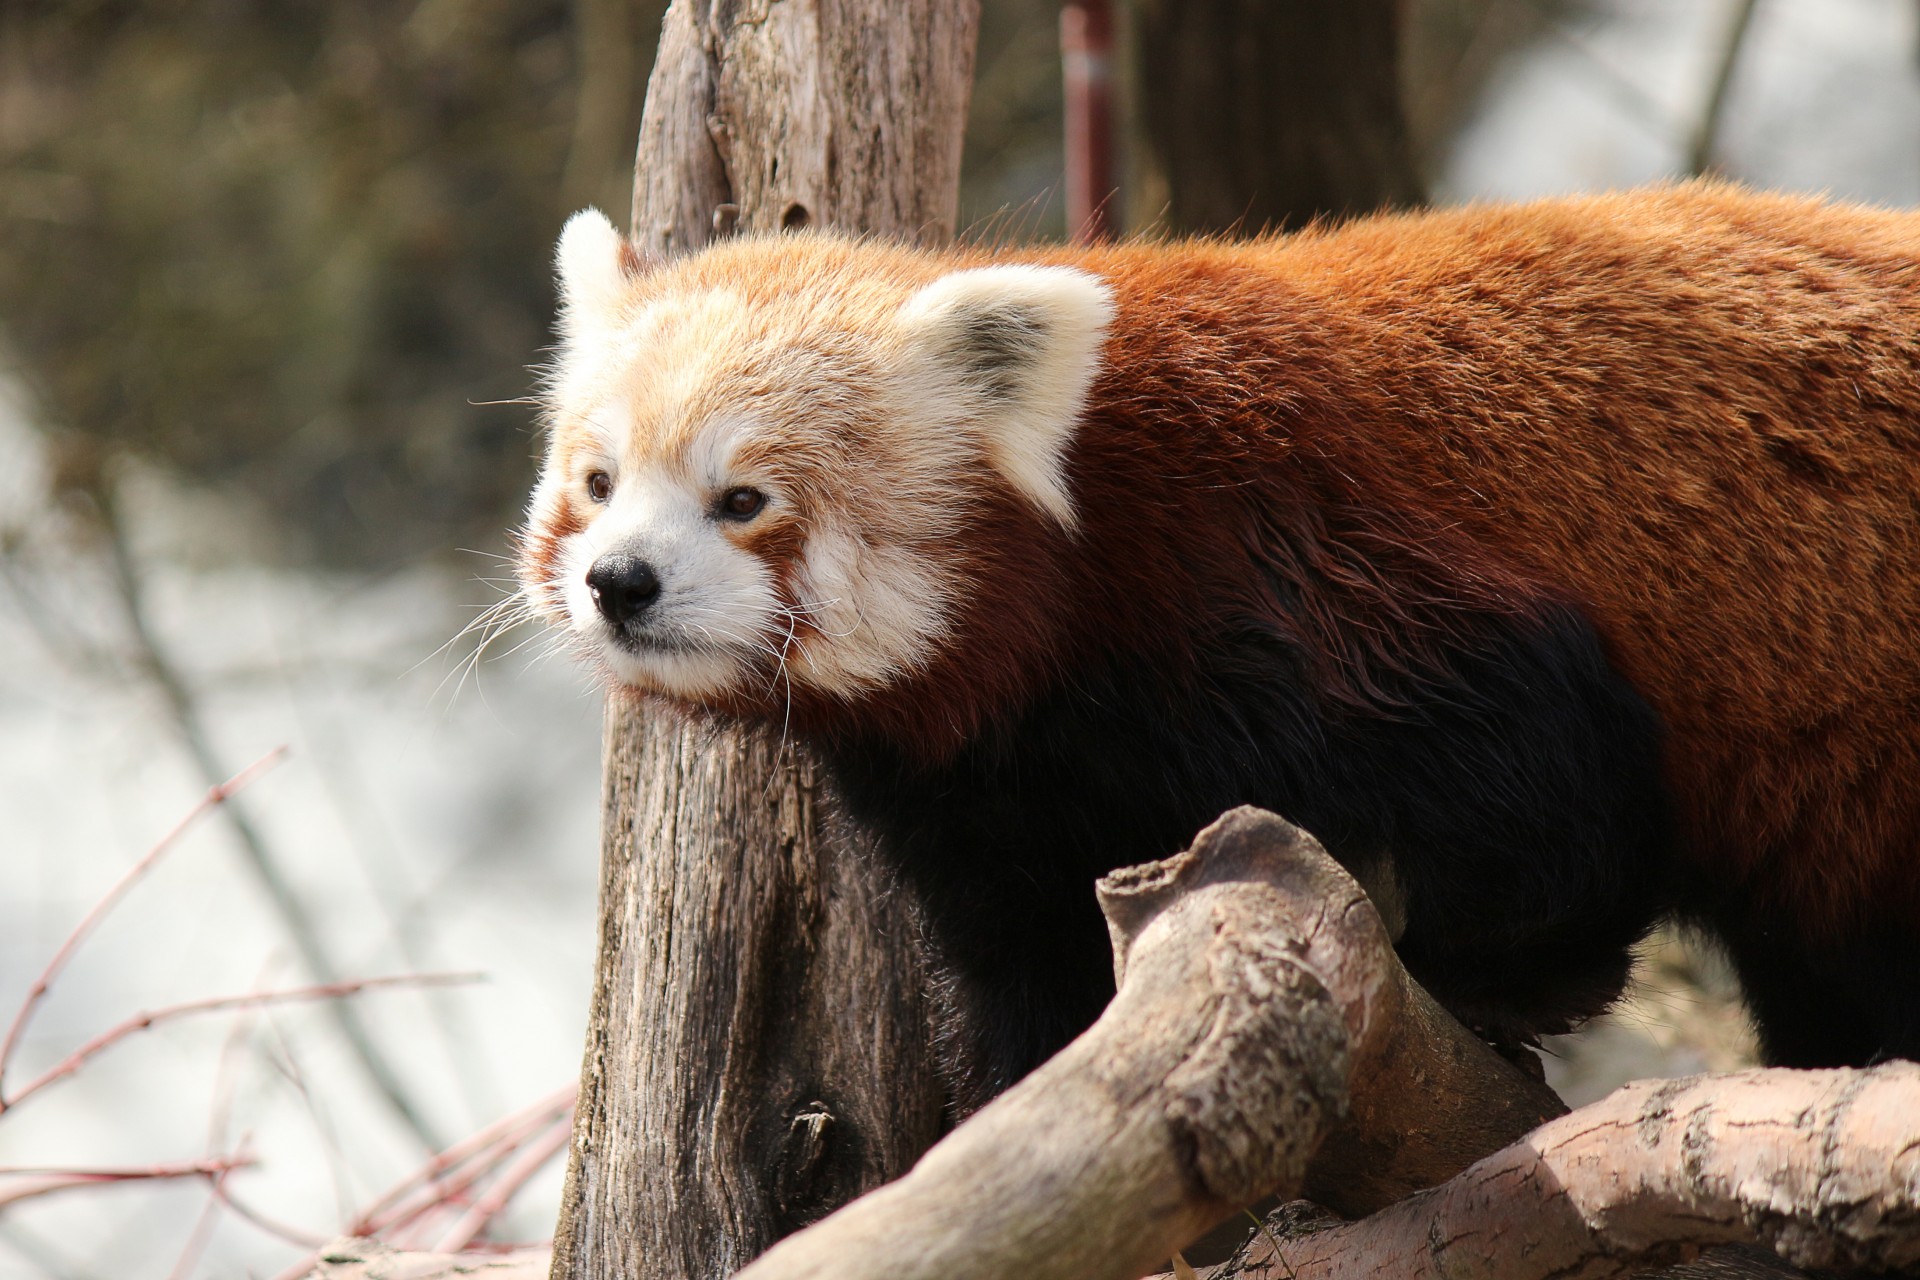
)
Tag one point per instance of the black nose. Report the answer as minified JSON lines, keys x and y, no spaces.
{"x":622,"y":587}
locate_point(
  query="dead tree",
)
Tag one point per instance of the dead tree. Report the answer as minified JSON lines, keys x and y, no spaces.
{"x":757,"y":1052}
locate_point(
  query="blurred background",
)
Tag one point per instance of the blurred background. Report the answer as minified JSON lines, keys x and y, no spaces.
{"x":273,"y":279}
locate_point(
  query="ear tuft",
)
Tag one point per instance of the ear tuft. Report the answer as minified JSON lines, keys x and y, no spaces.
{"x":596,"y":263}
{"x":1022,"y":343}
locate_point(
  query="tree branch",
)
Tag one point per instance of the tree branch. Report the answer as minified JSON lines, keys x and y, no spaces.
{"x":216,"y":796}
{"x":1821,"y":1166}
{"x":28,"y":1183}
{"x":1265,"y":1040}
{"x":252,"y":1000}
{"x":1261,"y":1009}
{"x":158,"y":666}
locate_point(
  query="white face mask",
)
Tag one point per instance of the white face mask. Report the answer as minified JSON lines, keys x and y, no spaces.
{"x":866,"y":412}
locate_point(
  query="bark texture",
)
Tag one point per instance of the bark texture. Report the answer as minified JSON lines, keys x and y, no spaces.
{"x":757,"y":1050}
{"x":1245,"y":114}
{"x":777,"y":114}
{"x":1260,"y":1010}
{"x":1823,"y":1167}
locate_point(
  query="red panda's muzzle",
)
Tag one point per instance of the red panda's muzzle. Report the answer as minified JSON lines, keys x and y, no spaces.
{"x":623,"y":588}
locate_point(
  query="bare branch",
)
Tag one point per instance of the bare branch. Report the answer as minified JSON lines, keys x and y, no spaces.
{"x":1821,"y":1166}
{"x":445,"y":1181}
{"x":271,"y":1226}
{"x":442,"y":1177}
{"x":216,"y":795}
{"x":202,"y":1232}
{"x":158,"y":666}
{"x":506,"y":1184}
{"x":141,"y":1021}
{"x":32,"y":1181}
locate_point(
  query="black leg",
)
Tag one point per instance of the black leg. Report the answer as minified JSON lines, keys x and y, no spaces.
{"x":1004,"y":1008}
{"x":1830,"y":1007}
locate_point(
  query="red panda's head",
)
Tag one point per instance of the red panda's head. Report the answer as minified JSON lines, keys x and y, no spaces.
{"x":765,"y":459}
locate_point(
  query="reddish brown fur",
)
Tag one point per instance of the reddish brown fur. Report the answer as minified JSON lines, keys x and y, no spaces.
{"x":541,"y":545}
{"x":1692,"y":411}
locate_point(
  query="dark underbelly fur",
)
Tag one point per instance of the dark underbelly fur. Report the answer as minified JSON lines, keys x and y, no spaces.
{"x":1519,"y":797}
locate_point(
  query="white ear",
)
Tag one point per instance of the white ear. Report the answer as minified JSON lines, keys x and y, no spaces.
{"x":1022,"y":343}
{"x":596,"y":263}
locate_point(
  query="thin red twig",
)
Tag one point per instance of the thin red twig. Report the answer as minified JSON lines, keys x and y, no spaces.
{"x":141,"y":1021}
{"x":281,"y":1056}
{"x":446,"y":1179}
{"x":507,"y":1185}
{"x":214,"y":798}
{"x":390,"y":1208}
{"x":202,"y":1232}
{"x":406,"y":1223}
{"x":272,"y":1226}
{"x":219,"y":1194}
{"x":40,"y":1181}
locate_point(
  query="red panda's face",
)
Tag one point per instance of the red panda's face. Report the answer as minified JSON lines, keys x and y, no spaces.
{"x":764,"y":459}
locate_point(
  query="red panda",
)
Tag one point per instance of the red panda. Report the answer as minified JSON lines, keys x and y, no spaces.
{"x":1557,"y":565}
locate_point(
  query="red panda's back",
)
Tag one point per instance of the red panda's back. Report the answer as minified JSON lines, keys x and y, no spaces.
{"x":1696,"y":410}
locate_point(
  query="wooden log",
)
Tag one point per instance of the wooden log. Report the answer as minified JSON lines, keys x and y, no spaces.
{"x":1822,"y":1167}
{"x":758,"y":1049}
{"x":1260,"y":1009}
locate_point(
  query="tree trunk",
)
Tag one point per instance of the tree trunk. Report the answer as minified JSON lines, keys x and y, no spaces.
{"x":758,"y":1051}
{"x":1247,"y":115}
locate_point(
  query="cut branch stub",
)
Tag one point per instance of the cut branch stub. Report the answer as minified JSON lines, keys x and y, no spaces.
{"x":1243,"y":844}
{"x":1427,"y":1097}
{"x":1272,"y":897}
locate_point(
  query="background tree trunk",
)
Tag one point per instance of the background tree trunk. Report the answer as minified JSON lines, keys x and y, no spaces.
{"x":757,"y":1052}
{"x":1246,"y":115}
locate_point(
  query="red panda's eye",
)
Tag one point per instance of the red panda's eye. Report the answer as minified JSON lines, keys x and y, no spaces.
{"x":742,"y":504}
{"x":599,"y":486}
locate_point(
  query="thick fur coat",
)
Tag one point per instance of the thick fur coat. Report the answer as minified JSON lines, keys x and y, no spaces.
{"x":1557,"y":565}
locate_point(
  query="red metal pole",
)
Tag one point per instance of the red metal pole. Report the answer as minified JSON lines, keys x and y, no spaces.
{"x":1086,"y":56}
